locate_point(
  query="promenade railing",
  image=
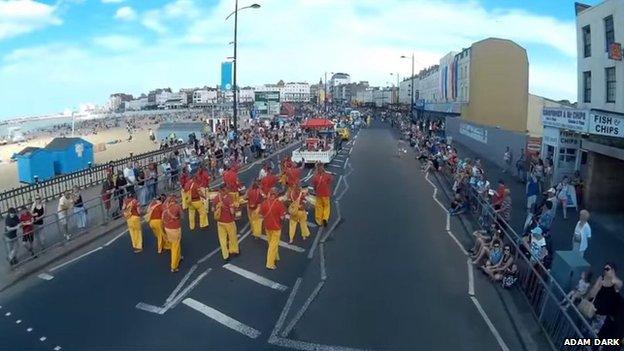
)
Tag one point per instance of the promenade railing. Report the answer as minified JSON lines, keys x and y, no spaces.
{"x":92,"y":176}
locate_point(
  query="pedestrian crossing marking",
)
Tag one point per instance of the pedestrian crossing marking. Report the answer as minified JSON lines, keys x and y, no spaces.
{"x":45,"y":276}
{"x":255,"y":277}
{"x":285,"y":245}
{"x":222,"y":318}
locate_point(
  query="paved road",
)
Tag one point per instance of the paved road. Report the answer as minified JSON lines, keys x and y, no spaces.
{"x":394,"y":280}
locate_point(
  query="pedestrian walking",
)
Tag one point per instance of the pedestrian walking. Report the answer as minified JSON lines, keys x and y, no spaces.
{"x":507,"y":158}
{"x":273,"y":212}
{"x":224,"y":214}
{"x":133,"y":219}
{"x":582,"y":233}
{"x":11,"y":225}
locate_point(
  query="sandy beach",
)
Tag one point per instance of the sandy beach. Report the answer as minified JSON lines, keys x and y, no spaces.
{"x":140,"y":143}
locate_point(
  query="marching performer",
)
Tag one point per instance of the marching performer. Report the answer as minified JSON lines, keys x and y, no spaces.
{"x":184,"y":178}
{"x":297,"y":212}
{"x":293,"y":175}
{"x":322,"y":182}
{"x":172,"y":212}
{"x":254,"y":198}
{"x":224,"y":212}
{"x":273,"y":212}
{"x":197,"y":198}
{"x":154,"y":218}
{"x":133,"y":219}
{"x":268,"y":181}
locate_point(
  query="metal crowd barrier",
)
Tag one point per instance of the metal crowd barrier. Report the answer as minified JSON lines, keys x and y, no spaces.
{"x":95,"y":175}
{"x":540,"y":289}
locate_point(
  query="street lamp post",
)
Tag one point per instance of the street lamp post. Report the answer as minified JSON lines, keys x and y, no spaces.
{"x":235,"y":63}
{"x":412,"y":87}
{"x":398,"y":87}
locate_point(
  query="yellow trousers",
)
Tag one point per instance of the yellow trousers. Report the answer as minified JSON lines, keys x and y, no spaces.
{"x":227,"y":239}
{"x":255,"y":221}
{"x":301,"y":218}
{"x":159,"y":233}
{"x":134,"y":229}
{"x":185,"y":199}
{"x":322,"y":209}
{"x":174,"y":236}
{"x":273,"y":237}
{"x":197,"y":206}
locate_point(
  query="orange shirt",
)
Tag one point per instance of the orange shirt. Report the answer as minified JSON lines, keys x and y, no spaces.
{"x":292,"y":176}
{"x":272,"y":210}
{"x":171,"y":215}
{"x":132,"y":205}
{"x":230,"y":178}
{"x":254,"y":197}
{"x":268,"y":182}
{"x":295,"y":196}
{"x":157,"y":209}
{"x":322,"y":184}
{"x":203,"y":178}
{"x":184,"y":178}
{"x":227,"y":208}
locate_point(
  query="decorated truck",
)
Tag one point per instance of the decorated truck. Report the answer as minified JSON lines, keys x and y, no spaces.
{"x":320,"y":143}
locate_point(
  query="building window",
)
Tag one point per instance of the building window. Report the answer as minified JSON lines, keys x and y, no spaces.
{"x":610,"y":80}
{"x":609,"y":32}
{"x":587,"y":86}
{"x":586,"y":41}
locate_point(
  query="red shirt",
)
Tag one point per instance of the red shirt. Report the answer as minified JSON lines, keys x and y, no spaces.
{"x":26,"y":217}
{"x":203,"y":178}
{"x":272,"y":210}
{"x":268,"y":182}
{"x":230,"y":178}
{"x":227,"y":208}
{"x":292,"y":176}
{"x":254,"y":197}
{"x":171,"y":215}
{"x":157,"y":210}
{"x":133,"y":205}
{"x":322,"y":184}
{"x":184,"y":178}
{"x":294,"y":196}
{"x":498,"y":197}
{"x":192,"y":187}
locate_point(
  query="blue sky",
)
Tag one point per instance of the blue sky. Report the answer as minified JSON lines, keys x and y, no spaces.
{"x":59,"y":54}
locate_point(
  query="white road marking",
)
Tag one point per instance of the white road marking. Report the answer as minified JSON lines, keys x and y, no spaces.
{"x":45,"y":276}
{"x":182,"y":282}
{"x":148,"y":307}
{"x":448,"y":221}
{"x":322,"y":262}
{"x":307,"y":346}
{"x":285,"y":245}
{"x":335,"y":166}
{"x":303,"y":308}
{"x":29,"y":329}
{"x":499,"y":339}
{"x":319,"y":233}
{"x":470,"y":278}
{"x":255,"y":277}
{"x":58,"y":348}
{"x":459,"y":244}
{"x":18,"y":321}
{"x":282,"y":317}
{"x":337,"y":185}
{"x":8,"y":314}
{"x":173,"y":303}
{"x":116,"y":237}
{"x":222,"y":318}
{"x":345,"y":164}
{"x":312,"y":225}
{"x":43,"y":338}
{"x":75,"y":259}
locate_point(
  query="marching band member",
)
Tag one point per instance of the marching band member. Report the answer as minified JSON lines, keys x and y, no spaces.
{"x":224,"y":212}
{"x":184,"y":178}
{"x":254,"y":198}
{"x":322,"y":182}
{"x":197,"y":197}
{"x":172,"y":212}
{"x":268,"y":182}
{"x":154,"y":218}
{"x":133,"y":219}
{"x":273,"y":212}
{"x":297,"y":213}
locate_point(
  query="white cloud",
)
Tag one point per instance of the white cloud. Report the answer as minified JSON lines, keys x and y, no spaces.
{"x":126,"y":13}
{"x":112,"y":1}
{"x":362,"y":37}
{"x":24,"y":16}
{"x":117,"y":42}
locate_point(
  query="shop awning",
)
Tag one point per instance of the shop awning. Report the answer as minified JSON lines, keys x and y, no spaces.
{"x":317,"y":123}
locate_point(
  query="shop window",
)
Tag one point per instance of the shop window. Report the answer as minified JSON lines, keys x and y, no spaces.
{"x":609,"y":32}
{"x":567,"y":155}
{"x":610,"y":84}
{"x":587,"y":86}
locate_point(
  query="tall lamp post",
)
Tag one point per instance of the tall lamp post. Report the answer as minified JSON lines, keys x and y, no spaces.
{"x":398,"y":87}
{"x":325,"y":99}
{"x":412,"y":87}
{"x":235,"y":63}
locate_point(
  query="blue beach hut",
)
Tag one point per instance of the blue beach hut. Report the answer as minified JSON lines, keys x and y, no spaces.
{"x":70,"y":154}
{"x":34,"y":163}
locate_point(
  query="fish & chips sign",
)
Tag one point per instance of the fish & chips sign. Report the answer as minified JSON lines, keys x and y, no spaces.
{"x":566,"y":118}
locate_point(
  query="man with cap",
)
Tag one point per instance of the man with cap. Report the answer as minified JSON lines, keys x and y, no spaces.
{"x":197,"y":198}
{"x":133,"y":218}
{"x":273,"y":212}
{"x":153,"y":217}
{"x":224,"y":212}
{"x":536,"y":244}
{"x":171,"y":215}
{"x":254,"y":198}
{"x":297,"y":213}
{"x":322,"y":183}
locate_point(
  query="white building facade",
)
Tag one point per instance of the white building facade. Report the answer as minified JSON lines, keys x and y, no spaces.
{"x":296,"y":92}
{"x":136,"y":105}
{"x":205,"y":97}
{"x":340,"y":79}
